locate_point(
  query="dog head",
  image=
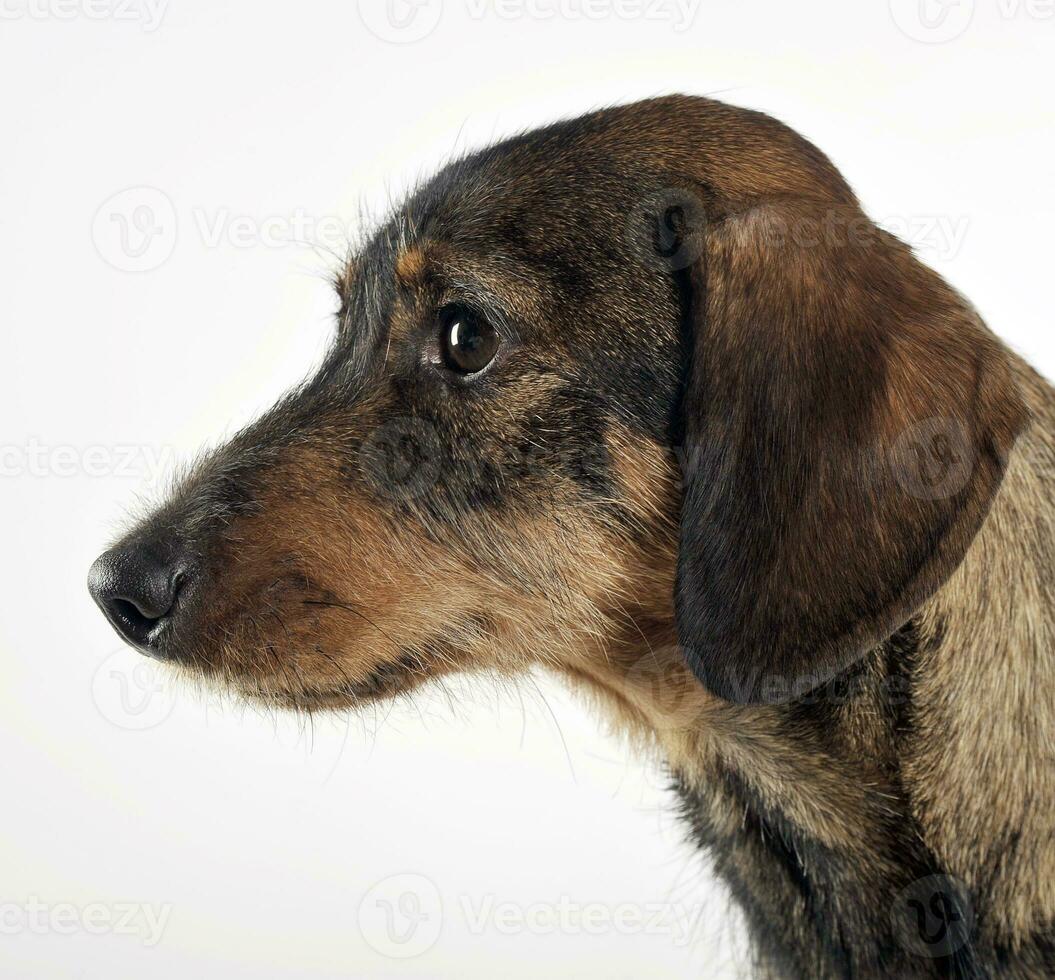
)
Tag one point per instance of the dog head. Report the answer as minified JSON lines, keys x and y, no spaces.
{"x":649,"y":371}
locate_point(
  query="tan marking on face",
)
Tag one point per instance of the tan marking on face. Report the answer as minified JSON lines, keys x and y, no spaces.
{"x":411,"y":265}
{"x":648,"y":477}
{"x":457,"y":271}
{"x":324,"y":588}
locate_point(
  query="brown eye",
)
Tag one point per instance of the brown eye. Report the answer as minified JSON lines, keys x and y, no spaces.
{"x":468,"y":342}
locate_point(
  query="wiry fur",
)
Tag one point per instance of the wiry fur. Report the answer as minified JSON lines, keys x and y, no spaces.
{"x":718,"y":380}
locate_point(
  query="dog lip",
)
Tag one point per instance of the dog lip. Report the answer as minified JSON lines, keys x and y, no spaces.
{"x":386,"y":680}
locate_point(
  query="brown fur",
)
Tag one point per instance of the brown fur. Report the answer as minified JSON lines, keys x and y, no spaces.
{"x":773,"y":495}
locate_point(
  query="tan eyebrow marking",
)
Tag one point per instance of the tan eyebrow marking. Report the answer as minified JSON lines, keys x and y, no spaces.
{"x":410,"y":265}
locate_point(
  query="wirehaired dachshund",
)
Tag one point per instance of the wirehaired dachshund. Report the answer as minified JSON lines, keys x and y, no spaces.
{"x":644,"y":398}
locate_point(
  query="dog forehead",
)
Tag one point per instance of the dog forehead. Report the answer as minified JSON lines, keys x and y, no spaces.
{"x":536,"y":225}
{"x":554,"y":193}
{"x":546,"y":180}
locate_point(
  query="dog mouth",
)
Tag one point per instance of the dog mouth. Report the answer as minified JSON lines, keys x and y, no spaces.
{"x":321,"y":681}
{"x":288,"y":641}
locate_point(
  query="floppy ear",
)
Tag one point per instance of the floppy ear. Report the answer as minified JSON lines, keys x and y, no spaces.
{"x":847,"y":419}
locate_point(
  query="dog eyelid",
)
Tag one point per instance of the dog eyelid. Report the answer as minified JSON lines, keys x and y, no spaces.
{"x":483,"y":303}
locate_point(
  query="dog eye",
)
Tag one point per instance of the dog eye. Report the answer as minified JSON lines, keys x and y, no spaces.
{"x":468,"y":343}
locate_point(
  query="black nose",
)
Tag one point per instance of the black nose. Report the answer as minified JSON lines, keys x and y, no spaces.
{"x":136,"y":587}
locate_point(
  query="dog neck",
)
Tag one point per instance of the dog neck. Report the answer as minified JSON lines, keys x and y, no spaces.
{"x":811,"y":814}
{"x":898,"y":820}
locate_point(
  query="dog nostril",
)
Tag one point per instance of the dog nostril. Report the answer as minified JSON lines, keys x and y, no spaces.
{"x":151,"y":602}
{"x":131,"y":613}
{"x":137,"y":591}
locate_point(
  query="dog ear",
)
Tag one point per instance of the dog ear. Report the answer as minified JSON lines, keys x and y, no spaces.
{"x":847,"y":418}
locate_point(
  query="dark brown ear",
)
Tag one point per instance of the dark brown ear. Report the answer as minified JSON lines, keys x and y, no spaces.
{"x":847,"y":420}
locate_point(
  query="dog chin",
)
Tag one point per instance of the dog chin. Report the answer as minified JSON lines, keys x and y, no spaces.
{"x":384,"y":682}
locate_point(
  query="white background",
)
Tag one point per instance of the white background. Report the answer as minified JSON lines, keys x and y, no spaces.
{"x":253,"y":124}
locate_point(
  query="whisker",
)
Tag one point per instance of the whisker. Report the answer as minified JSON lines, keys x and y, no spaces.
{"x":354,"y":611}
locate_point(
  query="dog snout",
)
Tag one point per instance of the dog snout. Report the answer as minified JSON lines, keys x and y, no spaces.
{"x":137,"y":586}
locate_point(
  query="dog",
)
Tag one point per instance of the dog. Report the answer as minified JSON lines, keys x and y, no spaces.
{"x":645,"y":399}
